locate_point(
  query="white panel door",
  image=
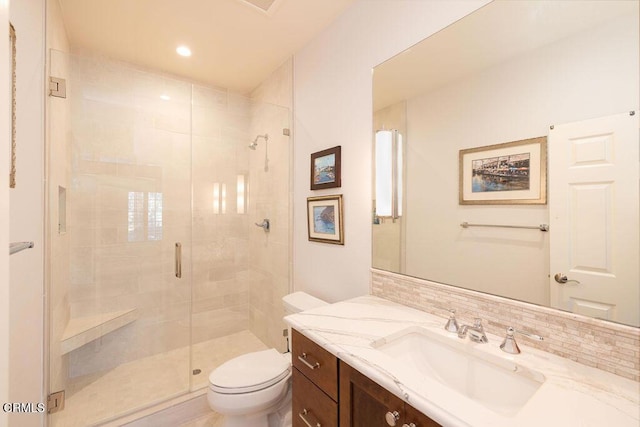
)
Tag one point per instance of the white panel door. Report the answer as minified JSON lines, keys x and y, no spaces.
{"x":594,"y":216}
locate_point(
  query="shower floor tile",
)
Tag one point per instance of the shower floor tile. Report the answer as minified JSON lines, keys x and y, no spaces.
{"x":93,"y":399}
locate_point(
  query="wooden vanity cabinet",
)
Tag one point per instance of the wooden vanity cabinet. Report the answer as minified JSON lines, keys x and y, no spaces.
{"x":314,"y":384}
{"x":310,"y":404}
{"x":412,"y":415}
{"x":330,"y":393}
{"x":364,"y":403}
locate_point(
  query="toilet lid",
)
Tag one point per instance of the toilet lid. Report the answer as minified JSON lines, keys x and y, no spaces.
{"x":249,"y":372}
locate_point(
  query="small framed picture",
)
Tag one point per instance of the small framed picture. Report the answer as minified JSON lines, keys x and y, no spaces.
{"x":325,"y":169}
{"x":324,"y":219}
{"x":504,"y":174}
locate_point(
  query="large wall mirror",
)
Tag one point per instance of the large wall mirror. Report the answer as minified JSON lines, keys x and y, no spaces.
{"x":562,"y":72}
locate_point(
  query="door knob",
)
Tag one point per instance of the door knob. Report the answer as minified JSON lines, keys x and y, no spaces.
{"x":562,"y":278}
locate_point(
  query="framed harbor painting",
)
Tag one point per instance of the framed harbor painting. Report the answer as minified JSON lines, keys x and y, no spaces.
{"x":324,"y":219}
{"x":504,"y":174}
{"x":325,"y":168}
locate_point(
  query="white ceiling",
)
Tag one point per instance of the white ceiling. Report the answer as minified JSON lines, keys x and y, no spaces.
{"x":235,"y":44}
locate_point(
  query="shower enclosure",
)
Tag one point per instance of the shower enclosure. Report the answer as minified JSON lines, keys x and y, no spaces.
{"x":157,"y":273}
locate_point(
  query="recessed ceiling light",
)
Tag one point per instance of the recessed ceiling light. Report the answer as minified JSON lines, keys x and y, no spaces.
{"x":165,"y":97}
{"x":183,"y":51}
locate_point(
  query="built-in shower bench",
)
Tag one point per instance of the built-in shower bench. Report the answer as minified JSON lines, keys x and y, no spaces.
{"x":81,"y":330}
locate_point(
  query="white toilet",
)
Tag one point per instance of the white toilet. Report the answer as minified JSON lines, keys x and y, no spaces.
{"x":254,"y":390}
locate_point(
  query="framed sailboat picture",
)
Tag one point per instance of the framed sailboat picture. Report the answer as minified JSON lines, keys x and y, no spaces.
{"x":504,"y":174}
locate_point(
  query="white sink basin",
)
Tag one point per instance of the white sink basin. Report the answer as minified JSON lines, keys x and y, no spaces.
{"x":499,"y":384}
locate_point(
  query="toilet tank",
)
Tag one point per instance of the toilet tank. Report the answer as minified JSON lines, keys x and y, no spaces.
{"x":297,"y":302}
{"x":300,"y":301}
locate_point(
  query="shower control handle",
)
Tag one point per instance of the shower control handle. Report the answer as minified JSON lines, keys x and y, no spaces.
{"x":266,"y":225}
{"x":178,"y":254}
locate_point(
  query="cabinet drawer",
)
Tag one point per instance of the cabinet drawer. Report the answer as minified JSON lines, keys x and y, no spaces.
{"x":311,"y":404}
{"x":316,"y":363}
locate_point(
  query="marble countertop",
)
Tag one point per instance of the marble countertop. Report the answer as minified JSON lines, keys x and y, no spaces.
{"x":571,"y":394}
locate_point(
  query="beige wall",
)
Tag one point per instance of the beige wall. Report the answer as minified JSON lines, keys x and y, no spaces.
{"x":27,"y":204}
{"x":5,"y":132}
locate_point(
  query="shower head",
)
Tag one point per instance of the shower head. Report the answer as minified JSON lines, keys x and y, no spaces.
{"x":254,"y":143}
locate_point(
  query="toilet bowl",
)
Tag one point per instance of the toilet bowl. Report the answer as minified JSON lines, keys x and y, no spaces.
{"x":254,"y":389}
{"x":248,"y":388}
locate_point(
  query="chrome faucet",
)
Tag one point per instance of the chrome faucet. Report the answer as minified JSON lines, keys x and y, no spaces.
{"x":476,"y":332}
{"x":510,"y":345}
{"x":452,"y":324}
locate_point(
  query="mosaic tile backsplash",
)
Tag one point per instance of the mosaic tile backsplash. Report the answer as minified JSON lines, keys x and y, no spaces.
{"x":605,"y":345}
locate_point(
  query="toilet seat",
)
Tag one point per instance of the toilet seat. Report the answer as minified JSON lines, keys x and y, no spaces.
{"x":250,"y":372}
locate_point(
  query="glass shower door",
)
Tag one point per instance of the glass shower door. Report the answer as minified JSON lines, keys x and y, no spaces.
{"x":119,"y":173}
{"x":240,"y":271}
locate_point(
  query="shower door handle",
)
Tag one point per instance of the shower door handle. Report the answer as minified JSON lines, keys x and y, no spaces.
{"x":178,"y":260}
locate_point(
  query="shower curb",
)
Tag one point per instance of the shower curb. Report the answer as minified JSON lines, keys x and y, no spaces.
{"x":167,"y":414}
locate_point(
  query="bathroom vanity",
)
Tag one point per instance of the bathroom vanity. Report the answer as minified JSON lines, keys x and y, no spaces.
{"x":369,"y":361}
{"x":329,"y":392}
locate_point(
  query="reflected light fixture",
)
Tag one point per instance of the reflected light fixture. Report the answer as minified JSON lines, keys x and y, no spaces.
{"x":165,"y":97}
{"x":219,"y":198}
{"x":183,"y":50}
{"x":223,"y":202}
{"x":389,"y":172}
{"x":216,"y":198}
{"x":241,"y":194}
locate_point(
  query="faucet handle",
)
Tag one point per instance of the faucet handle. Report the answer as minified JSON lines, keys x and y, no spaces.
{"x":452,"y":323}
{"x":510,"y":345}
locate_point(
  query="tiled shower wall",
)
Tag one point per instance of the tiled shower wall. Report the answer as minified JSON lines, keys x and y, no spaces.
{"x":605,"y":345}
{"x":220,"y":233}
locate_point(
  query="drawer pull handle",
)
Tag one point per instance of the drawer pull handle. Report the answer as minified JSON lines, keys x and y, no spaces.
{"x":304,"y":414}
{"x":392,"y":417}
{"x":303,"y":359}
